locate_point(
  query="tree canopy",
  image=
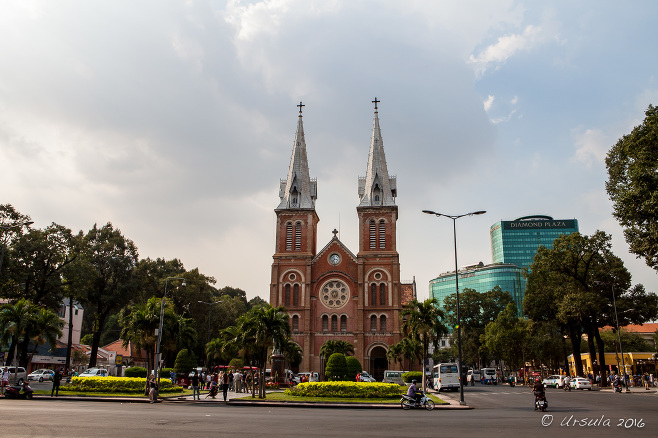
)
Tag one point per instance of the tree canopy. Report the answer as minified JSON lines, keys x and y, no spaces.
{"x":633,"y":186}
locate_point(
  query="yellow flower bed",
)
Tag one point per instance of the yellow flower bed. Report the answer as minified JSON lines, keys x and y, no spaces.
{"x":346,"y":390}
{"x":115,"y":384}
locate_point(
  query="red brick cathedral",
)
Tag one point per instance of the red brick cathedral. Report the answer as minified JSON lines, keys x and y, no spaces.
{"x":331,"y":293}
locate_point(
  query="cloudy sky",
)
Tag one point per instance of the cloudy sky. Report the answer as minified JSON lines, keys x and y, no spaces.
{"x":174,"y":120}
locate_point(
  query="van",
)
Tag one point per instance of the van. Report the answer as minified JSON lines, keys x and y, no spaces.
{"x":392,"y":376}
{"x":446,"y":376}
{"x":94,"y":372}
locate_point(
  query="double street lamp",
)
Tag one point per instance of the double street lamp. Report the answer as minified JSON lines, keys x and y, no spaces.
{"x":459,"y":329}
{"x":158,"y":361}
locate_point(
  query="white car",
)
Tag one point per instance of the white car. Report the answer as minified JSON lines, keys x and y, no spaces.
{"x":365,"y":377}
{"x":555,"y":381}
{"x":94,"y":372}
{"x":41,"y":375}
{"x":581,"y":383}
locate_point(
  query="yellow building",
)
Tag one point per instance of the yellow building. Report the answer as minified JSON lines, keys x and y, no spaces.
{"x":635,"y":363}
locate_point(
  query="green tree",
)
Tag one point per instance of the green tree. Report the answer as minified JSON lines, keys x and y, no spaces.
{"x":395,"y":353}
{"x":423,"y":321}
{"x":629,"y":340}
{"x":632,"y":186}
{"x":507,"y":337}
{"x":11,"y":227}
{"x":336,"y":368}
{"x":185,"y":362}
{"x":15,"y":321}
{"x":333,"y":346}
{"x":353,"y":367}
{"x":46,"y":326}
{"x":111,"y":258}
{"x":292,"y":352}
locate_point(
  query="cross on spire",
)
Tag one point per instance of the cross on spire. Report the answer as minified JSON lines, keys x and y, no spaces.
{"x":376,"y":102}
{"x":335,"y":231}
{"x":300,"y":106}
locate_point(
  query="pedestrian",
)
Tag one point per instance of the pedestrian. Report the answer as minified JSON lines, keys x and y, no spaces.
{"x":645,"y":377}
{"x":225,"y":383}
{"x":230,"y":380}
{"x":4,"y":378}
{"x":195,"y":387}
{"x":57,"y":378}
{"x":152,"y":388}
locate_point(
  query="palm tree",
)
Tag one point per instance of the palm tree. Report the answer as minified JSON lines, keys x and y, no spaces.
{"x":15,"y":320}
{"x":264,"y":327}
{"x":411,"y":349}
{"x":292,"y":352}
{"x":46,"y":327}
{"x":423,"y":321}
{"x":394,"y":353}
{"x":330,"y":347}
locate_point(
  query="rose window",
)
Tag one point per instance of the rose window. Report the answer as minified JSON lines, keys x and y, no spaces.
{"x":334,"y":294}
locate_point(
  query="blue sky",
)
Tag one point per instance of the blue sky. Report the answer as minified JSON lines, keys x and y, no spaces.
{"x":174,"y":120}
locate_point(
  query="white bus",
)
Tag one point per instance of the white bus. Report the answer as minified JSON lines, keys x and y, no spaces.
{"x":488,"y":376}
{"x":446,"y":376}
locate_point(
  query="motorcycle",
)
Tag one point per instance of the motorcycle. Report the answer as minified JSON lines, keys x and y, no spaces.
{"x":617,"y":386}
{"x":540,"y":403}
{"x":408,"y":402}
{"x":16,"y":393}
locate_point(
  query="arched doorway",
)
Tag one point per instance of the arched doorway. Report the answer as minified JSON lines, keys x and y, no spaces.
{"x":378,"y":363}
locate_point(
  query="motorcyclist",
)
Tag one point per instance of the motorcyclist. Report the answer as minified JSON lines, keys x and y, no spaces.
{"x":567,"y":383}
{"x":538,"y":390}
{"x":414,"y":392}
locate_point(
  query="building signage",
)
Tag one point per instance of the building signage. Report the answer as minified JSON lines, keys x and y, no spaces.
{"x":55,"y":360}
{"x":540,"y":224}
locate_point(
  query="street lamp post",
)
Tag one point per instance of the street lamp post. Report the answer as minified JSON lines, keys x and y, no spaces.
{"x":209,"y":313}
{"x":157,"y":366}
{"x":621,"y":349}
{"x":459,"y":329}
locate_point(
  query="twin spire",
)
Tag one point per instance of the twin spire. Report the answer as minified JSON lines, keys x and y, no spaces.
{"x":299,"y":191}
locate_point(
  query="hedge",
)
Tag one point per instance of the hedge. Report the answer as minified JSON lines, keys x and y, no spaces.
{"x":115,"y":384}
{"x":136,"y":372}
{"x":411,"y":375}
{"x":346,"y":390}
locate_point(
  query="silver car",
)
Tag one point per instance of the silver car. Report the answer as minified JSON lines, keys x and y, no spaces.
{"x":41,"y":375}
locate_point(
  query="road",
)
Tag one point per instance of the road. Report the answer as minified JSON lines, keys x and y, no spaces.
{"x":498,"y":411}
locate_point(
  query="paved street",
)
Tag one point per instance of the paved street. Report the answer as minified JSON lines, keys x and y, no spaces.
{"x":498,"y":411}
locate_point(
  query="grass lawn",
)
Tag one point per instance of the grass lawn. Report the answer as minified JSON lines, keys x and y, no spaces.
{"x":281,"y":397}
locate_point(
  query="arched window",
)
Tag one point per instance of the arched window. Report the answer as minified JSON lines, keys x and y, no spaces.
{"x":295,"y":295}
{"x":295,"y":323}
{"x":373,"y":294}
{"x":289,"y":236}
{"x":373,"y":323}
{"x":298,"y":236}
{"x":334,"y":323}
{"x":286,"y":298}
{"x":343,"y":323}
{"x":382,"y":323}
{"x":382,"y":234}
{"x":382,"y":294}
{"x":325,"y":323}
{"x":373,"y":234}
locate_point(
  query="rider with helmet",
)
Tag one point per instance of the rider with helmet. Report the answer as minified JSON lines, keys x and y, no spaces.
{"x":414,"y":392}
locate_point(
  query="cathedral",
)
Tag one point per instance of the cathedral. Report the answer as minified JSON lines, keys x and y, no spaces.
{"x":332,"y":293}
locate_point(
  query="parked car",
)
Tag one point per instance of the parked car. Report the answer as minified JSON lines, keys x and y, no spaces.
{"x":310,"y":377}
{"x":581,"y":383}
{"x":94,"y":372}
{"x":365,"y":377}
{"x":393,"y":376}
{"x":555,"y":381}
{"x":14,"y":376}
{"x":41,"y":375}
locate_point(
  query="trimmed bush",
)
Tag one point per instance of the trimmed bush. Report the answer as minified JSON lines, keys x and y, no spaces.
{"x":411,"y":375}
{"x":346,"y":390}
{"x":353,"y":367}
{"x":135,"y":372}
{"x":185,"y":362}
{"x":115,"y":384}
{"x":336,"y":368}
{"x":236,"y":363}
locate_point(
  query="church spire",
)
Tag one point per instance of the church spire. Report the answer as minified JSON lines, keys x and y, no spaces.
{"x":377,"y":188}
{"x":298,"y":191}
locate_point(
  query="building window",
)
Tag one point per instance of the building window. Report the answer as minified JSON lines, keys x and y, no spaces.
{"x":286,"y":298}
{"x":295,"y":295}
{"x":382,"y":323}
{"x":373,"y":294}
{"x":288,"y":236}
{"x":343,"y":323}
{"x":373,"y":234}
{"x":295,"y":323}
{"x":382,"y":234}
{"x":382,"y":294}
{"x":325,"y":323}
{"x":373,"y":323}
{"x":298,"y":236}
{"x":334,"y":323}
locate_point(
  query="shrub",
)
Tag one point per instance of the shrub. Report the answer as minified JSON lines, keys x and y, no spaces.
{"x":236,"y":363}
{"x":336,"y":368}
{"x":185,"y":361}
{"x":353,"y":367}
{"x":115,"y":384}
{"x":135,"y":372}
{"x":411,"y":375}
{"x":346,"y":390}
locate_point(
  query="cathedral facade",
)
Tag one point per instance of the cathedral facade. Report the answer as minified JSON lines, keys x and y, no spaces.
{"x":332,"y":293}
